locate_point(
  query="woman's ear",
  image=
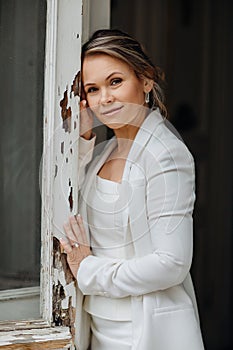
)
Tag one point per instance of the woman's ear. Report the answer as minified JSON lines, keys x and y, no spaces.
{"x":148,"y":85}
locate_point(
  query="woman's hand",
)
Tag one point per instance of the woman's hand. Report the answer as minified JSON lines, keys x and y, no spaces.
{"x":86,"y":120}
{"x":76,"y":245}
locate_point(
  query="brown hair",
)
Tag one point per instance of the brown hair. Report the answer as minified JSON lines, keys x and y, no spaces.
{"x":120,"y":45}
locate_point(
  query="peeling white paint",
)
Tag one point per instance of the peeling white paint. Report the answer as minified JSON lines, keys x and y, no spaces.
{"x":29,"y":336}
{"x":70,"y":290}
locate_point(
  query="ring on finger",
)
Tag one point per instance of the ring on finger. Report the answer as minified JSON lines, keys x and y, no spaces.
{"x":76,"y":245}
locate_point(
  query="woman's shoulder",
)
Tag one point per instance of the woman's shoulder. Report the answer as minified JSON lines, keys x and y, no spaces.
{"x":166,"y":144}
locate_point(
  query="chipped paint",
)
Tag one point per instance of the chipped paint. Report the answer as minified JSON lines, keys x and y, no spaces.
{"x":71,"y":199}
{"x":62,"y":147}
{"x":76,"y":85}
{"x":65,"y":197}
{"x":65,"y":113}
{"x":64,"y":290}
{"x":47,"y":338}
{"x":56,"y":170}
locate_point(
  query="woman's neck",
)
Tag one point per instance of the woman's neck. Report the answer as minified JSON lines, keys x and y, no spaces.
{"x":126,"y":135}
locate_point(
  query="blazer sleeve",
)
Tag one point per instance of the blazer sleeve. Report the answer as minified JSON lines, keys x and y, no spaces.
{"x":86,"y":148}
{"x":170,"y":199}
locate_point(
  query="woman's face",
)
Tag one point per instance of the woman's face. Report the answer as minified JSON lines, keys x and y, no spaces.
{"x":113,"y":91}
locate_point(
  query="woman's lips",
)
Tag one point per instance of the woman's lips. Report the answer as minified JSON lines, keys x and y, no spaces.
{"x":112,"y":111}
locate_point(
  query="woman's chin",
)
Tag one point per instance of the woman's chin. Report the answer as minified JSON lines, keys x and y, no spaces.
{"x":115,"y":126}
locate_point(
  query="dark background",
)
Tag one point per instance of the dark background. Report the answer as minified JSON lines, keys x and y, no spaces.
{"x":191,"y":40}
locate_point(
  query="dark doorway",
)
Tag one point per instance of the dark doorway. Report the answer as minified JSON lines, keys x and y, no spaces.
{"x":192,"y":42}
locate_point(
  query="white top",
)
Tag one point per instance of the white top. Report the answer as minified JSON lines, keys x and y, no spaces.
{"x":107,"y":218}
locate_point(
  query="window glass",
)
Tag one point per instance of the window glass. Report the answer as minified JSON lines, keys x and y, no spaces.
{"x":22,"y":45}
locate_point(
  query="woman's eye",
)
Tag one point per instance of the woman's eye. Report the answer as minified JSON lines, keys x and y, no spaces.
{"x":116,"y":81}
{"x":91,"y":90}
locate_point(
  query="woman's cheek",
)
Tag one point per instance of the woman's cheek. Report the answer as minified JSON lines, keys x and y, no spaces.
{"x":92,"y":102}
{"x":95,"y":109}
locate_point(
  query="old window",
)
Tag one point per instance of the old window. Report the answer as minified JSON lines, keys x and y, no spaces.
{"x":40,"y":56}
{"x":22,"y":40}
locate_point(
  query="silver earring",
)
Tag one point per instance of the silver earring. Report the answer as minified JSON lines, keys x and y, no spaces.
{"x":147,"y":97}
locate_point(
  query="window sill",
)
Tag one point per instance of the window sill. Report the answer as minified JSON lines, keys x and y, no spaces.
{"x":40,"y":338}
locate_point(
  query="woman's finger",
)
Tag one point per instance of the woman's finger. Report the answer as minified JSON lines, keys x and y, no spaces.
{"x":82,"y":229}
{"x":75,"y":229}
{"x":83,"y":105}
{"x":86,"y":120}
{"x":75,"y":245}
{"x":69,"y":232}
{"x":66,"y":246}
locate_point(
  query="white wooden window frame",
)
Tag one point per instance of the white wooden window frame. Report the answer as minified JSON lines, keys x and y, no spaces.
{"x":59,"y":174}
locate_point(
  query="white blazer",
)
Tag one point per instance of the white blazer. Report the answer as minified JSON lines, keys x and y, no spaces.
{"x":159,"y":185}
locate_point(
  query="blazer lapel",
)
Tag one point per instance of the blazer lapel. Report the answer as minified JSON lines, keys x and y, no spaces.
{"x":140,"y":233}
{"x":142,"y":138}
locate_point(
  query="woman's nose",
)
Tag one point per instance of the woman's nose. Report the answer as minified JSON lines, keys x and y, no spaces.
{"x":106,"y":97}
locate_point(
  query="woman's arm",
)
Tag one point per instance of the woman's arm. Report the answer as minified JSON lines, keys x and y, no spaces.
{"x":170,"y":200}
{"x":86,"y":148}
{"x":86,"y":140}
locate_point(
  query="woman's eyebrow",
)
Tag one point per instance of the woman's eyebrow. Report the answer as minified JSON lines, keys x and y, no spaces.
{"x":108,"y":77}
{"x":87,"y":84}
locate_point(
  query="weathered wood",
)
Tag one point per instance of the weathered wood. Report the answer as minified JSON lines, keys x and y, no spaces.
{"x":59,"y":177}
{"x":64,"y":290}
{"x":21,"y":325}
{"x":47,"y":338}
{"x":55,"y":345}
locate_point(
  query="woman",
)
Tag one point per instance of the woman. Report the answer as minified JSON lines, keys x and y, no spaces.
{"x":136,"y":204}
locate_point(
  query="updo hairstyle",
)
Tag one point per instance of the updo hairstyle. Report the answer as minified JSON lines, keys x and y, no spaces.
{"x":120,"y":45}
